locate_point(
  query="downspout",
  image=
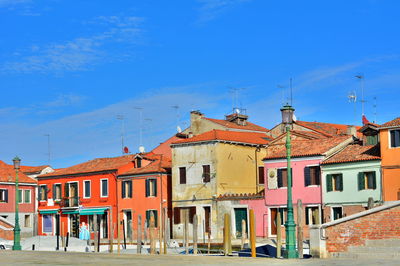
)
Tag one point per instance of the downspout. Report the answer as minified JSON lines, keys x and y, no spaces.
{"x":256,"y":160}
{"x":111,"y":218}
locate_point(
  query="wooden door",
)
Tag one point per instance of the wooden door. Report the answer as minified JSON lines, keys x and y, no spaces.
{"x":274,"y":213}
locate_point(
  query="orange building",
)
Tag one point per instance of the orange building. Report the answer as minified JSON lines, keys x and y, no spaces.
{"x":84,"y":192}
{"x":389,"y":135}
{"x":143,"y":190}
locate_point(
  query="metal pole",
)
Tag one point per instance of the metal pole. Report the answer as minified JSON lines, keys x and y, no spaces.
{"x":17,"y":229}
{"x":290,"y":224}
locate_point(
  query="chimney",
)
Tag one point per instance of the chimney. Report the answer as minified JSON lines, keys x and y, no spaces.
{"x":352,"y":130}
{"x":195,"y":116}
{"x":238,"y":117}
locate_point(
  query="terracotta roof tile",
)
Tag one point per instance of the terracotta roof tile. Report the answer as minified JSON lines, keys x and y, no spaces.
{"x":249,"y":126}
{"x":393,"y":123}
{"x":159,"y":164}
{"x":355,"y":153}
{"x":241,"y":196}
{"x":7,"y":174}
{"x":33,"y":169}
{"x":96,"y":165}
{"x":301,"y":148}
{"x":234,"y":136}
{"x":326,"y":128}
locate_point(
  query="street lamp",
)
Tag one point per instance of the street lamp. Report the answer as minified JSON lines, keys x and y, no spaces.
{"x":17,"y":229}
{"x":291,"y":253}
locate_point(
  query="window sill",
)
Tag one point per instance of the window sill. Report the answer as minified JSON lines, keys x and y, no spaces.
{"x":313,"y":186}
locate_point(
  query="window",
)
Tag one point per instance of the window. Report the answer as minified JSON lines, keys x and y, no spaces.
{"x":86,"y":189}
{"x":190,"y":211}
{"x":206,"y":173}
{"x":20,"y":196}
{"x":372,"y":140}
{"x":138,"y":162}
{"x":334,"y":182}
{"x":104,"y":188}
{"x":27,"y":220}
{"x":395,"y":138}
{"x":57,"y":192}
{"x":182,"y":175}
{"x":312,"y":176}
{"x":43,"y":192}
{"x":151,"y":187}
{"x":282,"y":178}
{"x":148,"y":215}
{"x":337,"y":213}
{"x":4,"y":195}
{"x":27,"y":196}
{"x":312,"y":215}
{"x":366,"y":180}
{"x":127,"y":189}
{"x":261,"y":177}
{"x":47,"y":223}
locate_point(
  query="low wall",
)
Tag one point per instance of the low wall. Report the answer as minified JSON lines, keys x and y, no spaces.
{"x":381,"y":222}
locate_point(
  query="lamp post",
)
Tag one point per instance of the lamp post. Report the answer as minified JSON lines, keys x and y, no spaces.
{"x":291,"y":253}
{"x":17,"y":229}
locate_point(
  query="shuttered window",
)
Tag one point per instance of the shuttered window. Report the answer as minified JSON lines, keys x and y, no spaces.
{"x":86,"y":189}
{"x":104,"y":187}
{"x":366,"y":180}
{"x":4,"y":195}
{"x":151,"y":187}
{"x":206,"y":173}
{"x":282,"y":178}
{"x":148,"y":215}
{"x":43,"y":192}
{"x":334,"y":182}
{"x":395,"y":138}
{"x":182,"y":175}
{"x":261,"y":176}
{"x":127,"y":189}
{"x":312,"y":176}
{"x":177,"y":215}
{"x":56,"y":191}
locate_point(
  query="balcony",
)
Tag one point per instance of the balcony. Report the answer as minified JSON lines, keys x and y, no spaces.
{"x":69,"y":202}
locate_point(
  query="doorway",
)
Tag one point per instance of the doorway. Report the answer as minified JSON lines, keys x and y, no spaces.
{"x":74,"y":225}
{"x":240,"y":214}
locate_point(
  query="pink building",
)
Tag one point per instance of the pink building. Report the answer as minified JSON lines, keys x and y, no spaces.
{"x":306,"y":156}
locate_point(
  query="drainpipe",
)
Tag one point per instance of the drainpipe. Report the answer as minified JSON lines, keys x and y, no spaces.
{"x":117,"y":198}
{"x":258,"y":148}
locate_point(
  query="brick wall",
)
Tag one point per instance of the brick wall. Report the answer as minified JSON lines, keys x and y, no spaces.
{"x":384,"y":224}
{"x":347,"y":210}
{"x":5,"y":231}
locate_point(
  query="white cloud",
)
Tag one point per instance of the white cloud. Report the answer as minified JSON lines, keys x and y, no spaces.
{"x":211,"y":9}
{"x":7,"y":3}
{"x":80,"y":53}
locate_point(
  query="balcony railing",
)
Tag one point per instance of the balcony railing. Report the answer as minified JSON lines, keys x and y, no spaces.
{"x":70,"y":202}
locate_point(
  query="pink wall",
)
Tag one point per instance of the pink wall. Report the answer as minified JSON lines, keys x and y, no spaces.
{"x":260,"y":214}
{"x":309,"y":195}
{"x":10,"y":205}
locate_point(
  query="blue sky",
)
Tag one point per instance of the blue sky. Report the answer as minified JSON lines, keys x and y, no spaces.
{"x":68,"y":68}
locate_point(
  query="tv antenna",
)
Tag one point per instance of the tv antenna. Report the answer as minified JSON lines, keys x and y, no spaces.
{"x":176,"y":107}
{"x":140,"y":109}
{"x":48,"y":147}
{"x":122,"y":118}
{"x":361,"y":78}
{"x":375,"y":107}
{"x":235,"y":97}
{"x":281,"y":87}
{"x":352,"y":96}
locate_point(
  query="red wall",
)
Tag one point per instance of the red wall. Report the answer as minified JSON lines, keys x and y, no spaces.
{"x":23,"y":207}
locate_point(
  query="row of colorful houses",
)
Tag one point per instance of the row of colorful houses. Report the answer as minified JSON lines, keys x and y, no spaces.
{"x":222,"y":166}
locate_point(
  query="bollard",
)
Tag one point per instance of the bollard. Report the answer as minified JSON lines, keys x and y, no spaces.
{"x":62,"y":236}
{"x":300,"y":228}
{"x":186,"y":233}
{"x":209,"y":243}
{"x":166,"y":226}
{"x":139,"y":235}
{"x":252,"y":234}
{"x":66,"y":242}
{"x":33,"y":246}
{"x":123,"y":233}
{"x":58,"y":241}
{"x":95,"y":232}
{"x":278,"y":235}
{"x":151,"y":233}
{"x":370,"y":203}
{"x":98,"y":240}
{"x":195,"y":224}
{"x":146,"y":225}
{"x":243,"y":234}
{"x":227,"y":235}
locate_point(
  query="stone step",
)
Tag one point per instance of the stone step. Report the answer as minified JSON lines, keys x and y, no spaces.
{"x":383,"y":243}
{"x":380,"y":249}
{"x":362,"y":255}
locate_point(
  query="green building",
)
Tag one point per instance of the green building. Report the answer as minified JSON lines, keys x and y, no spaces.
{"x":349,"y":179}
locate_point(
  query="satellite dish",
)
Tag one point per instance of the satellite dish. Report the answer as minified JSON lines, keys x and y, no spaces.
{"x":126,"y":150}
{"x":179,"y":129}
{"x":237,"y":110}
{"x":294,"y":118}
{"x":352,"y":97}
{"x":141,"y":149}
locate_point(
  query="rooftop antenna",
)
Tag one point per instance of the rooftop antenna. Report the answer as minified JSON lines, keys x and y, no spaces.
{"x":353,"y":99}
{"x":281,"y":87}
{"x":375,"y":107}
{"x":176,"y":107}
{"x":141,"y":147}
{"x":122,"y":118}
{"x":361,"y":79}
{"x":235,"y":97}
{"x":291,"y":93}
{"x":48,"y":147}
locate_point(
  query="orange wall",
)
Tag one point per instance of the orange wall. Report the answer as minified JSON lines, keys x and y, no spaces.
{"x":390,"y":167}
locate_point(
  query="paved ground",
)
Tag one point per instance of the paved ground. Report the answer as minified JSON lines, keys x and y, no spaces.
{"x":71,"y":258}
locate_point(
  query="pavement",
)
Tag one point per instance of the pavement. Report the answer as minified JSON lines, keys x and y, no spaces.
{"x":8,"y":257}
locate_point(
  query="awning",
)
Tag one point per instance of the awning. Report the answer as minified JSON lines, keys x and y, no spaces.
{"x":88,"y":211}
{"x":48,"y":211}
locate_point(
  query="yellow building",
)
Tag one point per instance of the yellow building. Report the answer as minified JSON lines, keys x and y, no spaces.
{"x":209,"y":166}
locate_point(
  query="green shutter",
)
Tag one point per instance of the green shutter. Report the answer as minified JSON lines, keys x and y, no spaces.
{"x":123,"y":189}
{"x":66,"y":190}
{"x":148,"y":216}
{"x":374,"y":180}
{"x":40,"y":193}
{"x":291,"y":177}
{"x":280,"y":183}
{"x":361,"y":181}
{"x":329,"y":183}
{"x":340,"y":183}
{"x":155,"y":187}
{"x":147,"y":187}
{"x":307,"y":176}
{"x":155,"y":218}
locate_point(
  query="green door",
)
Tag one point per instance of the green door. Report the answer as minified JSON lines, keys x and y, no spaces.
{"x":240,"y":214}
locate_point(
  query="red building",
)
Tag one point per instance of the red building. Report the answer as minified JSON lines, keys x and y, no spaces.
{"x":145,"y":189}
{"x":80,"y":193}
{"x":27,"y":197}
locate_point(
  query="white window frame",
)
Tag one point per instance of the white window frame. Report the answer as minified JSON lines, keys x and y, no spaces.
{"x":320,"y":175}
{"x":390,"y":140}
{"x":30,"y":196}
{"x":310,"y":214}
{"x":30,"y":220}
{"x":4,"y":193}
{"x":270,"y":221}
{"x":101,"y":188}
{"x":335,"y":206}
{"x":55,"y":199}
{"x":40,"y":187}
{"x":279,"y":168}
{"x":84,"y":189}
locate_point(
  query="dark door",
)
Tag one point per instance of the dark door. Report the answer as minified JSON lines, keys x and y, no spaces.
{"x":57,"y":224}
{"x":207,"y":212}
{"x":274,"y":213}
{"x":240,"y":214}
{"x":74,"y":220}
